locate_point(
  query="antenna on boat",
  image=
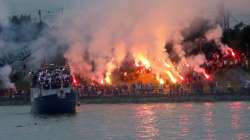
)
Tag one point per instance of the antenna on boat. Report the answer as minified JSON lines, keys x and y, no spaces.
{"x":40,"y":15}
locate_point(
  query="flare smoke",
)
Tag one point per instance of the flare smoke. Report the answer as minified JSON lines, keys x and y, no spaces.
{"x":102,"y":35}
{"x":96,"y":36}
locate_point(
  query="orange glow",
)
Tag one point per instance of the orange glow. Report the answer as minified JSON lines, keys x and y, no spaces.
{"x":159,"y":79}
{"x":108,"y":78}
{"x":178,"y":75}
{"x":167,"y":65}
{"x":102,"y":81}
{"x":136,"y":64}
{"x":171,"y":77}
{"x":108,"y":74}
{"x":140,"y":60}
{"x":182,"y":78}
{"x":125,"y":74}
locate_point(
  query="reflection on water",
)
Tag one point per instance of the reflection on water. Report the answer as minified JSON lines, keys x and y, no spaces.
{"x":236,"y":115}
{"x":146,"y":126}
{"x":235,"y":110}
{"x":176,"y":121}
{"x":208,"y":120}
{"x":184,"y":122}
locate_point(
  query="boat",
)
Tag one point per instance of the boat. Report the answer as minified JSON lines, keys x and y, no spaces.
{"x":53,"y":91}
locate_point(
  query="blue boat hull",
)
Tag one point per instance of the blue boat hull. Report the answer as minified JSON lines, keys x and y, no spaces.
{"x":52,"y":104}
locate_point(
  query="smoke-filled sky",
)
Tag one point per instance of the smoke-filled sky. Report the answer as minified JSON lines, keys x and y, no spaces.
{"x":107,"y":30}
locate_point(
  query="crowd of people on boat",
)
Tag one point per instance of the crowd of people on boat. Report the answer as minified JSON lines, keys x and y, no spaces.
{"x":52,"y":78}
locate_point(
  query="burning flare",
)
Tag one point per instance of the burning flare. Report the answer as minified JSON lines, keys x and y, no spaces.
{"x":159,"y":79}
{"x":108,"y":78}
{"x":75,"y":82}
{"x":206,"y":76}
{"x":108,"y":74}
{"x":141,"y":60}
{"x":171,"y":77}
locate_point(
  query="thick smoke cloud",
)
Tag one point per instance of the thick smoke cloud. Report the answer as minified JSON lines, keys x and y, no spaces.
{"x":49,"y":47}
{"x":4,"y":75}
{"x":32,"y":43}
{"x":96,"y":36}
{"x":104,"y":34}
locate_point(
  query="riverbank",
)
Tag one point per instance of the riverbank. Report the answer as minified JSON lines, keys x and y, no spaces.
{"x":163,"y":99}
{"x":6,"y":101}
{"x":142,"y":99}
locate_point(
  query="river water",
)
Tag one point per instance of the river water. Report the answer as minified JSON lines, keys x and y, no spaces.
{"x":167,"y":121}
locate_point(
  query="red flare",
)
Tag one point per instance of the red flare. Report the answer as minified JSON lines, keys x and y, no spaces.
{"x":182,"y":78}
{"x":102,"y":81}
{"x":137,"y":64}
{"x":125,"y":74}
{"x":74,"y":81}
{"x":233,"y":54}
{"x":207,"y":76}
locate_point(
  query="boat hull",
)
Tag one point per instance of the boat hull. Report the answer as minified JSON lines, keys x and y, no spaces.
{"x":54,"y":104}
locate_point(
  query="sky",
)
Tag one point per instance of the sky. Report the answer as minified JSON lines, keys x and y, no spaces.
{"x":242,"y":12}
{"x":19,"y":5}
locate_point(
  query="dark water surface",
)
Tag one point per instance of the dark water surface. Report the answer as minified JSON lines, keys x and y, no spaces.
{"x":189,"y":121}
